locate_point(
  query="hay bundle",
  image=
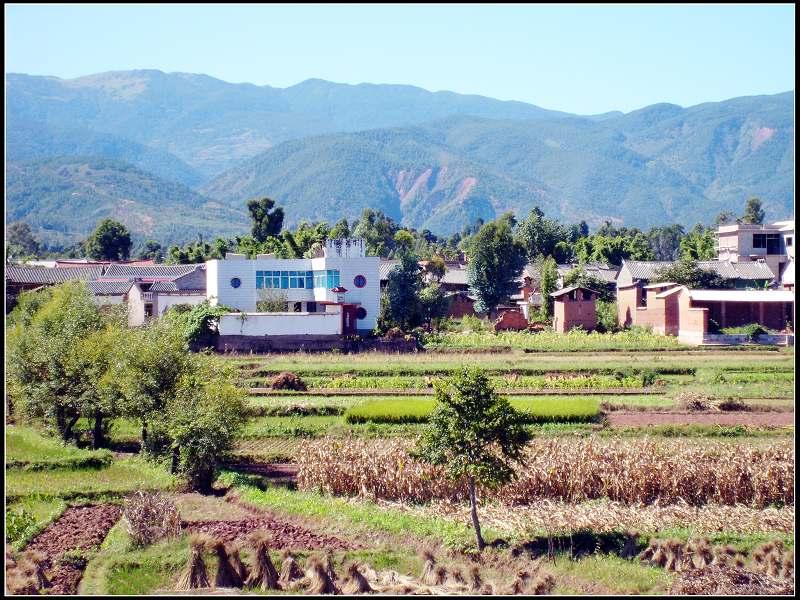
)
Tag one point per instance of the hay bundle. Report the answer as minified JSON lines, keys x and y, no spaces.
{"x":439,"y":575}
{"x":674,"y":552}
{"x":699,"y":553}
{"x":717,"y":580}
{"x":226,"y":576}
{"x":355,"y":582}
{"x":290,"y":570}
{"x":629,"y":548}
{"x":10,"y":561}
{"x":787,"y":567}
{"x":39,"y":563}
{"x":288,"y":381}
{"x":543,"y":584}
{"x":475,"y":579}
{"x":264,"y":574}
{"x":236,"y":561}
{"x":317,"y":578}
{"x":455,"y":578}
{"x":428,"y":576}
{"x":520,"y":583}
{"x":195,"y":575}
{"x":328,"y":564}
{"x":21,"y":582}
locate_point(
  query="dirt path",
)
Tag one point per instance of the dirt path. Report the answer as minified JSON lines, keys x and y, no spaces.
{"x":81,"y":528}
{"x":645,"y":418}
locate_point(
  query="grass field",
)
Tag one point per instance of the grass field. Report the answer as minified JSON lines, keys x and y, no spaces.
{"x":28,"y":449}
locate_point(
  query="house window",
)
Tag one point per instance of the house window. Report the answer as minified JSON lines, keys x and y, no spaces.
{"x":789,"y":242}
{"x":360,"y":281}
{"x":587,"y":295}
{"x":311,"y":307}
{"x":361,"y":312}
{"x":297,"y":307}
{"x":236,"y":282}
{"x":759,"y":240}
{"x":326,"y":279}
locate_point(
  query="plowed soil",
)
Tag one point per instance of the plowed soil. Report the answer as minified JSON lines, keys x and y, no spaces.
{"x":283,"y":534}
{"x":645,"y":418}
{"x":80,"y":527}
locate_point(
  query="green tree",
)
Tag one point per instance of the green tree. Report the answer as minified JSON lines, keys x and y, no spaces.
{"x":403,"y":241}
{"x":403,"y":286}
{"x":433,"y":303}
{"x":547,"y":285}
{"x":473,"y":433}
{"x":377,"y":230}
{"x":436,"y":269}
{"x":340,"y":231}
{"x":725,"y":218}
{"x":495,"y":261}
{"x":699,"y":244}
{"x":687,"y":272}
{"x":267,"y":221}
{"x":151,"y":249}
{"x":539,"y":235}
{"x":111,"y":240}
{"x":46,"y":380}
{"x":753,"y":213}
{"x":665,"y":241}
{"x":20,"y":241}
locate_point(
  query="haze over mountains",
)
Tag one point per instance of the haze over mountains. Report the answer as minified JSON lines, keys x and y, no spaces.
{"x":176,"y":155}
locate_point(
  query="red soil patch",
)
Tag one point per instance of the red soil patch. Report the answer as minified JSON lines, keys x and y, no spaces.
{"x":645,"y":418}
{"x":80,"y":527}
{"x":283,"y":534}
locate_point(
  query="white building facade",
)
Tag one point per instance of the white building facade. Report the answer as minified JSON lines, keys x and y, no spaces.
{"x":342,"y":280}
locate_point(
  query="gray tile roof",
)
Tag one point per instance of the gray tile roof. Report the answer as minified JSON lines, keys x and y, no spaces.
{"x":567,"y":290}
{"x":44,"y":276}
{"x":150,"y":271}
{"x":385,"y":267}
{"x":455,"y":276}
{"x":110,"y":288}
{"x":743,"y":270}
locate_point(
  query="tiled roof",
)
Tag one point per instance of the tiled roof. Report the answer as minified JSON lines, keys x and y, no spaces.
{"x":385,"y":267}
{"x":569,"y":289}
{"x":605,"y":273}
{"x":149,"y":272}
{"x":44,"y":275}
{"x":110,"y":288}
{"x":640,"y":269}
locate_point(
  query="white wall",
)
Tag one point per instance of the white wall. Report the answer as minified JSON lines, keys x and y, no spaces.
{"x":220,"y":272}
{"x":135,"y":306}
{"x":284,"y":323}
{"x":162,"y":301}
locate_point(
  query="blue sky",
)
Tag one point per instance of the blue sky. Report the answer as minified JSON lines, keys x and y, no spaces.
{"x":582,"y":59}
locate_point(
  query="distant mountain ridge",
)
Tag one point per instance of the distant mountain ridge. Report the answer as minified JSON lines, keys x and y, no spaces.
{"x":437,"y":160}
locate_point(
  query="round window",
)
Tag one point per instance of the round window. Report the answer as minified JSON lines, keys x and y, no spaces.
{"x":236,"y":282}
{"x":360,"y":281}
{"x":361,"y":313}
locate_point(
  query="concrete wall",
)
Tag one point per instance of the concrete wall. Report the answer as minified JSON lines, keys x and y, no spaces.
{"x":628,"y":298}
{"x":310,"y":343}
{"x":135,"y":307}
{"x":163,"y":300}
{"x":693,"y":320}
{"x":281,"y":324}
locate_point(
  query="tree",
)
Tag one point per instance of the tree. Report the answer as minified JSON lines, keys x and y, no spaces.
{"x":687,"y":272}
{"x":403,"y":241}
{"x":473,"y":433}
{"x":151,"y":249}
{"x":665,"y":241}
{"x":613,"y":249}
{"x":699,"y":244}
{"x":436,"y":269}
{"x":340,"y":231}
{"x":539,"y":235}
{"x":377,"y":230}
{"x":724,"y":218}
{"x":547,"y":285}
{"x":111,"y":240}
{"x":753,"y":213}
{"x":403,"y":286}
{"x":267,"y":222}
{"x":433,"y":303}
{"x":495,"y":261}
{"x":20,"y":241}
{"x":271,"y":300}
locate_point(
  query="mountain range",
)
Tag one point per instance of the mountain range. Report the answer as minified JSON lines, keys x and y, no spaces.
{"x":131,"y":144}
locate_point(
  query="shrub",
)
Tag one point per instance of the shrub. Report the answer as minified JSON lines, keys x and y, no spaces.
{"x":288,"y":381}
{"x":694,"y":401}
{"x":752,"y":331}
{"x":150,"y":517}
{"x":19,"y":523}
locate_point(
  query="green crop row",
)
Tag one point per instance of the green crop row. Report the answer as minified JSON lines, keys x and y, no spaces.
{"x":418,"y":410}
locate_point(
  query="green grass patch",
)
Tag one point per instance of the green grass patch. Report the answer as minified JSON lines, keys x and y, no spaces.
{"x":122,"y":476}
{"x":550,"y":341}
{"x":28,"y":449}
{"x":615,"y":574}
{"x":699,"y":431}
{"x":418,"y":410}
{"x":355,"y":514}
{"x":29,"y":516}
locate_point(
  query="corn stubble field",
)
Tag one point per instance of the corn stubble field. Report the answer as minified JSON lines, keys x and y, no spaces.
{"x":594,"y":509}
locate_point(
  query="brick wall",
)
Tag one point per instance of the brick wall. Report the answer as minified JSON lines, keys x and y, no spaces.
{"x":568,"y":314}
{"x":628,"y":298}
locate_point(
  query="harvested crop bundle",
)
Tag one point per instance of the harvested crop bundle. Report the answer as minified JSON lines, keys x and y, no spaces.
{"x":290,"y":570}
{"x":264,"y":574}
{"x":195,"y":574}
{"x":318,"y":580}
{"x":355,"y":582}
{"x":226,"y":576}
{"x":288,"y":381}
{"x":236,"y":561}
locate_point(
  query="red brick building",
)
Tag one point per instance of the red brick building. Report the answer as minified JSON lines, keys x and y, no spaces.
{"x":574,"y":306}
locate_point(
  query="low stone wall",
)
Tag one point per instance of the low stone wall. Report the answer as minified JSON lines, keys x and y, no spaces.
{"x":309,"y":343}
{"x":738,"y":339}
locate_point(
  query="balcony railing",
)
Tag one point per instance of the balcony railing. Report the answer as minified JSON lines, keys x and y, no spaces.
{"x":147,"y":296}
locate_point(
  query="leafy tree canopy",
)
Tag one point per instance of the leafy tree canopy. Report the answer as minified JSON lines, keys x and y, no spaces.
{"x":111,"y":240}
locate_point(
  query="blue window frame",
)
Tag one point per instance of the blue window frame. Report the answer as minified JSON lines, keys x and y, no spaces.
{"x":296,"y":279}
